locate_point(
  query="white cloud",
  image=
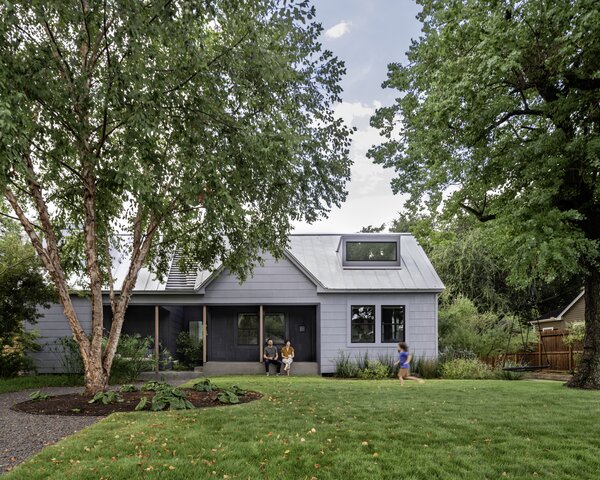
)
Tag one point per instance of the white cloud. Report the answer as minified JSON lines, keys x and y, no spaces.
{"x":370,"y":199}
{"x":338,"y":30}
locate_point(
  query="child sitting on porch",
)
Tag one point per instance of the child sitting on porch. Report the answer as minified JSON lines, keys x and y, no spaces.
{"x":287,"y":353}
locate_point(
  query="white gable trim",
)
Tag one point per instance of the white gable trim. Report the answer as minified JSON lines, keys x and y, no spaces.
{"x":570,"y":305}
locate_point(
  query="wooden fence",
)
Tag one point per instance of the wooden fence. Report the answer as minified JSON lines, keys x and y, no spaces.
{"x":550,"y":348}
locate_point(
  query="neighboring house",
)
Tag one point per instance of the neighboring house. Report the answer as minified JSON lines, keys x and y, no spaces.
{"x":561,"y":319}
{"x":358,"y":293}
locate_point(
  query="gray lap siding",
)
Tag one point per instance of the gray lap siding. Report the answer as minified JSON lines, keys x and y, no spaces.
{"x":277,"y":283}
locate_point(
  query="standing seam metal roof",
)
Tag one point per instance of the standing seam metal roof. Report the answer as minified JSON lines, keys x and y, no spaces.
{"x":318,"y":257}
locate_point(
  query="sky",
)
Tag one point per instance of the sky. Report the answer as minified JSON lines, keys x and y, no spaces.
{"x":367,"y":35}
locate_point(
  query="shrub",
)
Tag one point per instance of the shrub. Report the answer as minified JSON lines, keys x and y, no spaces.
{"x":189,"y":350}
{"x":344,"y":367}
{"x":68,"y":351}
{"x":426,"y":367}
{"x":170,"y":398}
{"x":128,"y":388}
{"x":374,"y":371}
{"x":106,"y":398}
{"x":466,"y":369}
{"x":388,"y":360}
{"x":238,"y":391}
{"x":142,"y":404}
{"x":38,"y":396}
{"x":204,"y":385}
{"x":227,"y":396}
{"x":153,"y":386}
{"x":132,"y":358}
{"x":13,"y":353}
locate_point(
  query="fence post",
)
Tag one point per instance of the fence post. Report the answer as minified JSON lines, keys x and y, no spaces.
{"x":540,"y":349}
{"x":570,"y":357}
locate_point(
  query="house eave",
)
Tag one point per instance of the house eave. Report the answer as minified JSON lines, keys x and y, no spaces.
{"x":379,"y":290}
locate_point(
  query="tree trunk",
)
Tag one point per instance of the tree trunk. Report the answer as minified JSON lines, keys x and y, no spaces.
{"x":96,"y":379}
{"x":588,"y":371}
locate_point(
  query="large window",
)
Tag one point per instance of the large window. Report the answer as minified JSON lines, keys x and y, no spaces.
{"x":275,"y":328}
{"x":362,"y":324}
{"x":247,"y":333}
{"x":371,"y":251}
{"x":392,"y":324}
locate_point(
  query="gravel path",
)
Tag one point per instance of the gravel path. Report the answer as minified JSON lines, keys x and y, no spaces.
{"x":23,"y":434}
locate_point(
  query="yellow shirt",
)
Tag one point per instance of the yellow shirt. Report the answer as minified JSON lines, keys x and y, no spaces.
{"x":287,"y":352}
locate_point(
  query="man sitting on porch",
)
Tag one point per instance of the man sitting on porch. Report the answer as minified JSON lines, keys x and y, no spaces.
{"x":271,"y":355}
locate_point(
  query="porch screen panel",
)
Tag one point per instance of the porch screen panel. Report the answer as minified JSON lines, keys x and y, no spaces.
{"x":196,"y":332}
{"x":247,"y":331}
{"x":275,"y":328}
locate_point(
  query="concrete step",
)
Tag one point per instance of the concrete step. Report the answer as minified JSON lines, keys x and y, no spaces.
{"x":211,"y":369}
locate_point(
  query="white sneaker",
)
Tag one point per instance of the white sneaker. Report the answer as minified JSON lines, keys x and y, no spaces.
{"x":267,"y":374}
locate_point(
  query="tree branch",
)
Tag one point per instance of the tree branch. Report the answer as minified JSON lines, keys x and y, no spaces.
{"x":209,"y":64}
{"x":477,"y":213}
{"x":63,"y":66}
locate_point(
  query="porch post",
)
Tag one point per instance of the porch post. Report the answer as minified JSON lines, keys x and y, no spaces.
{"x":203,"y":334}
{"x":156,"y":339}
{"x":261,"y":334}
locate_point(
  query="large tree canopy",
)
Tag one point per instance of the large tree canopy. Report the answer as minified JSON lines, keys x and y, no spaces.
{"x":201,"y":125}
{"x":500,"y":116}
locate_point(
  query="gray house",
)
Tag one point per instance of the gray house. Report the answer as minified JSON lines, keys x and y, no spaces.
{"x":358,"y":293}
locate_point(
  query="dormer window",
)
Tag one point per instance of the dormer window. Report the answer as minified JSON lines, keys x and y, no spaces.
{"x":371,"y":251}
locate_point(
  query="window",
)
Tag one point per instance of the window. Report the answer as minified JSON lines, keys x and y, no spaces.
{"x":247,"y":329}
{"x":370,"y":251}
{"x":392,"y":324}
{"x":362,"y":324}
{"x":275,"y":327}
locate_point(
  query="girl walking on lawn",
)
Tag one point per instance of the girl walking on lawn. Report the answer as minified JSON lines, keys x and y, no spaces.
{"x":404,"y":359}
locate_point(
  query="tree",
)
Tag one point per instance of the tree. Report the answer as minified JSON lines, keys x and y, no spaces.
{"x":470,"y":266}
{"x":203,"y":126}
{"x":499,"y":117}
{"x":23,"y":288}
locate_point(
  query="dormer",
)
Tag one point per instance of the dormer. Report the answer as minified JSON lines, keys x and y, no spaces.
{"x":370,"y":251}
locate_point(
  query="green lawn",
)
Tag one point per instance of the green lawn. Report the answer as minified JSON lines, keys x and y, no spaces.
{"x":343,"y":429}
{"x":38,"y":381}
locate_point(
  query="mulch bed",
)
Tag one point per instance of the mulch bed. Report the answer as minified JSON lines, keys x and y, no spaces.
{"x":78,"y":405}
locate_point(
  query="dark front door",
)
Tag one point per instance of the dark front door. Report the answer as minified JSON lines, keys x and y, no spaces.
{"x":296,"y":323}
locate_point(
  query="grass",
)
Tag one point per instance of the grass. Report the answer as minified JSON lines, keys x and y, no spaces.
{"x":331,"y":429}
{"x":17,"y":384}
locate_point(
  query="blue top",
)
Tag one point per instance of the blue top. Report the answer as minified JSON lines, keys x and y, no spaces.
{"x":403,"y":357}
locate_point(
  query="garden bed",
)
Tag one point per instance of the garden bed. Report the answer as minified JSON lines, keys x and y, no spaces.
{"x":78,"y":405}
